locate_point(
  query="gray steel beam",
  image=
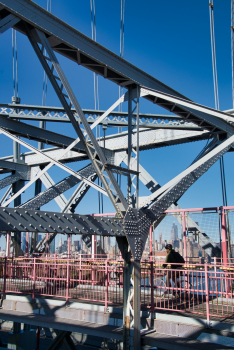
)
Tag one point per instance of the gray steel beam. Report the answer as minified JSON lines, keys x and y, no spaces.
{"x":19,"y":219}
{"x":206,"y":243}
{"x":8,"y":22}
{"x":11,"y":179}
{"x":57,"y":189}
{"x":174,"y":125}
{"x":51,"y":65}
{"x":208,"y":118}
{"x":35,"y":133}
{"x":13,"y":166}
{"x":47,"y":112}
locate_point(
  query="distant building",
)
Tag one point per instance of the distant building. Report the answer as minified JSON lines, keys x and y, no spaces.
{"x":52,"y":247}
{"x":174,"y":232}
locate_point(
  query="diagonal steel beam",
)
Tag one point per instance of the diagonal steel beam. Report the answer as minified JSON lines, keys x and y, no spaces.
{"x":193,"y":111}
{"x":52,"y":161}
{"x":8,"y":22}
{"x":206,"y":243}
{"x":57,"y":189}
{"x":68,"y":99}
{"x":137,"y":222}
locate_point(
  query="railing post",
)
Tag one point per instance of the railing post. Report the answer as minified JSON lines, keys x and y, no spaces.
{"x":151,"y":250}
{"x":34,"y":277}
{"x":106,"y":285}
{"x":80,"y":270}
{"x":224,"y":237}
{"x":68,"y":281}
{"x":184,"y":237}
{"x":5,"y":273}
{"x":207,"y":295}
{"x":152,"y":286}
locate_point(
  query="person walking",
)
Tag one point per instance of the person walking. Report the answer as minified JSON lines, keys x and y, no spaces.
{"x":172,"y":258}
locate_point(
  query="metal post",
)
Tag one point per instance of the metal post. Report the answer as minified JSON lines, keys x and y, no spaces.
{"x":207,"y":296}
{"x":34,"y":278}
{"x":68,"y":281}
{"x":17,"y":185}
{"x":5,"y":274}
{"x":8,"y":242}
{"x":137,"y":149}
{"x":27,"y":242}
{"x":106,"y":285}
{"x":94,"y":246}
{"x":38,"y":338}
{"x":151,"y":251}
{"x":224,"y":237}
{"x":129,"y":185}
{"x":127,"y":341}
{"x":152,"y":287}
{"x":184,"y":237}
{"x":137,"y":305}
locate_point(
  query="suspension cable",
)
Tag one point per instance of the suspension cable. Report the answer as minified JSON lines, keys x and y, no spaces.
{"x":122,"y":15}
{"x":44,"y":93}
{"x":216,"y":93}
{"x":96,"y":90}
{"x":15,"y":64}
{"x":232,"y":48}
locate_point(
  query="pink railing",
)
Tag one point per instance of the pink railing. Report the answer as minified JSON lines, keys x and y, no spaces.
{"x":205,"y":289}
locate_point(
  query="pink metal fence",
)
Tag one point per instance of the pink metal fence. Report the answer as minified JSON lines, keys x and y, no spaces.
{"x":205,"y":289}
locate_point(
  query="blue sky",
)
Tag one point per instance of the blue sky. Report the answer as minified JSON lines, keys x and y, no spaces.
{"x":170,"y":40}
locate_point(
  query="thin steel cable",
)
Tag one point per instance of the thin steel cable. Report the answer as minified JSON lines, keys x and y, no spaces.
{"x":13,"y":52}
{"x":16,"y":67}
{"x":96,"y":88}
{"x":122,"y":16}
{"x":44,"y":93}
{"x":232,"y":48}
{"x":216,"y":93}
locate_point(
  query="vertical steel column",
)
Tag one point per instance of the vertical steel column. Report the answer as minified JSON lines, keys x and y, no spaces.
{"x":94,"y":246}
{"x":16,"y":186}
{"x":137,"y":305}
{"x":127,"y":336}
{"x":137,"y":149}
{"x":151,"y":251}
{"x":27,"y":243}
{"x":184,"y":237}
{"x":8,"y":243}
{"x":129,"y":185}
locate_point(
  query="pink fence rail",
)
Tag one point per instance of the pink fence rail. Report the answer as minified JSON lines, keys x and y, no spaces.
{"x":205,"y":289}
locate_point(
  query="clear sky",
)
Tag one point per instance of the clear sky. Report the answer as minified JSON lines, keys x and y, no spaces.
{"x":170,"y":40}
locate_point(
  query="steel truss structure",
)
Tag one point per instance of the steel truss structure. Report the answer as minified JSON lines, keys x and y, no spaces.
{"x":134,"y":215}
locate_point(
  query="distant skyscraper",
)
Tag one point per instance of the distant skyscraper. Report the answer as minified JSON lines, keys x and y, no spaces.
{"x":160,"y":238}
{"x":52,"y":247}
{"x":23,"y":244}
{"x":174,"y":232}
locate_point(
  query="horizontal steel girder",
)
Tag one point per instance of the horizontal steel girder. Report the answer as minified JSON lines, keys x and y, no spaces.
{"x":7,"y":166}
{"x":148,"y":138}
{"x":32,"y":158}
{"x":18,"y":219}
{"x":114,"y":119}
